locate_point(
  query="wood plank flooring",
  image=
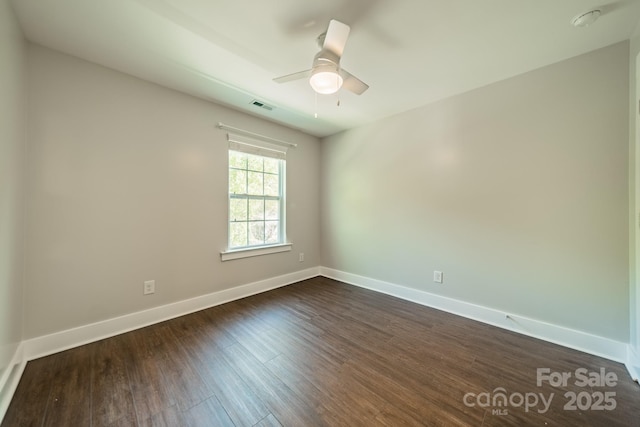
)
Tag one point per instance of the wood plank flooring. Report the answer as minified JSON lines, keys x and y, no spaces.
{"x":318,"y":353}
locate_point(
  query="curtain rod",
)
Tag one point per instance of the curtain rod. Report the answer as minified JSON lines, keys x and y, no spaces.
{"x":248,"y":133}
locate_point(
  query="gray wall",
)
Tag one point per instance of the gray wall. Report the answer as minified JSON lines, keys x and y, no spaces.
{"x":634,"y":193}
{"x":518,"y":191}
{"x":12,"y":154}
{"x":127,"y":183}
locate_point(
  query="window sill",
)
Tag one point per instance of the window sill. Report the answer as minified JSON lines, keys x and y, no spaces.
{"x":250,"y":252}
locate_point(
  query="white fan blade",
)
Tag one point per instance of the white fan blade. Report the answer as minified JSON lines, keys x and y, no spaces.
{"x":295,"y":76}
{"x":352,"y":83}
{"x":336,"y":37}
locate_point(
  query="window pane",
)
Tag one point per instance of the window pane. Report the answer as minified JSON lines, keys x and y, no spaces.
{"x":237,"y":181}
{"x":272,"y":209}
{"x":256,"y":233}
{"x":237,"y":160}
{"x":256,"y":163}
{"x":238,"y":234}
{"x":256,"y":210}
{"x":271,"y":165}
{"x":271,"y":185}
{"x":255,"y":183}
{"x":272,"y":232}
{"x":238,"y":210}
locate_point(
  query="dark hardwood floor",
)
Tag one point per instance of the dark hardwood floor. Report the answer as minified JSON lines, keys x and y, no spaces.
{"x":321,"y":353}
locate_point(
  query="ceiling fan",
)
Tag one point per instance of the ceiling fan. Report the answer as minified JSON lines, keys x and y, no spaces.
{"x":325,"y":75}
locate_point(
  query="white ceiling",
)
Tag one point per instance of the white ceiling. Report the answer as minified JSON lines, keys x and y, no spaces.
{"x":411,"y":52}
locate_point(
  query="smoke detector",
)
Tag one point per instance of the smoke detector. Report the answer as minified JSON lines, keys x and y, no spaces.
{"x":586,"y":19}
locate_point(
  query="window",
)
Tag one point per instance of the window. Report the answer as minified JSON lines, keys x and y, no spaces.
{"x":256,"y":200}
{"x":256,"y":195}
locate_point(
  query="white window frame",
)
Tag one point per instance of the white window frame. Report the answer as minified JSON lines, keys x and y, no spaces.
{"x":264,"y":149}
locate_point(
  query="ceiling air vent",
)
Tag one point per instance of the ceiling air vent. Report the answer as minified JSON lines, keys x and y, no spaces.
{"x":262,"y":105}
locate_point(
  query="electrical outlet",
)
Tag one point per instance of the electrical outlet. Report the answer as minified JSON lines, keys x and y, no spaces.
{"x":149,"y":287}
{"x":437,"y":276}
{"x":301,"y":257}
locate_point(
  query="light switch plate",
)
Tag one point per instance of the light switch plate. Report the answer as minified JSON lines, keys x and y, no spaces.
{"x":437,"y":276}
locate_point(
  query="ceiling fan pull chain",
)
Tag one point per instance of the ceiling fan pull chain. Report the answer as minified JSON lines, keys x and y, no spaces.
{"x":316,"y":105}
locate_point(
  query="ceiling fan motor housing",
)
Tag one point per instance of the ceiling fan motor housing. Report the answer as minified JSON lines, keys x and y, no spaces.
{"x":326,"y":58}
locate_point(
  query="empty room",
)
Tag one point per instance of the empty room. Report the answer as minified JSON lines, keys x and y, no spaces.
{"x":337,"y":213}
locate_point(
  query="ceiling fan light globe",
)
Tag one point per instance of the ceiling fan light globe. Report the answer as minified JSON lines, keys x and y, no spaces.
{"x":326,"y":82}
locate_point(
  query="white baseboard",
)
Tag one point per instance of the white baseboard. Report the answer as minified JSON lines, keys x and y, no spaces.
{"x":633,"y":363}
{"x":63,"y":340}
{"x":578,"y":340}
{"x":10,"y":379}
{"x":600,"y":346}
{"x":44,"y":345}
